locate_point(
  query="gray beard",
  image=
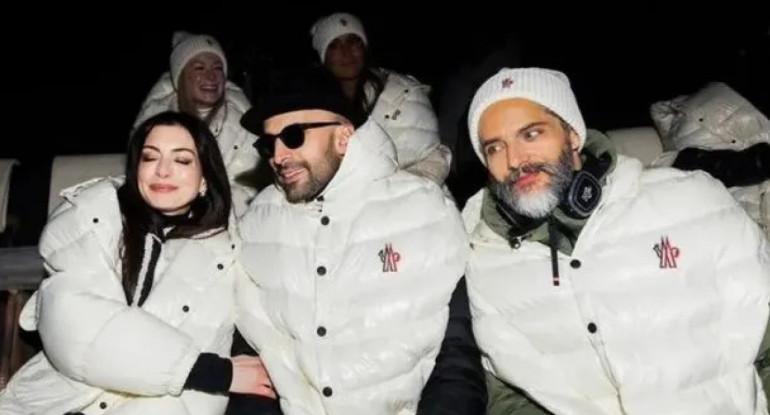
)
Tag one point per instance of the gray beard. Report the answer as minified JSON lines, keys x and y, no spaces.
{"x":536,"y":204}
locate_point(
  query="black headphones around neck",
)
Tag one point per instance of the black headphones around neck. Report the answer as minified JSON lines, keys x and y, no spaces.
{"x":584,"y":192}
{"x":579,"y":201}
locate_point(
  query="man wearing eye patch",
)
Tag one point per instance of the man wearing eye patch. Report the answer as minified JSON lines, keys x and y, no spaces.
{"x":353,"y":295}
{"x":598,"y":287}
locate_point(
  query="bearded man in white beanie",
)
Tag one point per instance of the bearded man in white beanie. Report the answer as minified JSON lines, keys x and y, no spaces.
{"x":197,"y":84}
{"x":597,"y":287}
{"x":398,"y":103}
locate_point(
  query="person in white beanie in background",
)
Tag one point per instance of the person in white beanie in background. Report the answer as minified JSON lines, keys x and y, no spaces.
{"x":196,"y":83}
{"x":597,"y":287}
{"x":398,"y":103}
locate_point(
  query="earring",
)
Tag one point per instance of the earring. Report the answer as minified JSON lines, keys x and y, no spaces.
{"x":204,"y":188}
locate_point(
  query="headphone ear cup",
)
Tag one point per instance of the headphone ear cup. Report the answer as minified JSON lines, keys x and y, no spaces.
{"x":583,"y":195}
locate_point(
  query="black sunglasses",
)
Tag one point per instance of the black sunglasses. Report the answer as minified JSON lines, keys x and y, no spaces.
{"x":292,"y":136}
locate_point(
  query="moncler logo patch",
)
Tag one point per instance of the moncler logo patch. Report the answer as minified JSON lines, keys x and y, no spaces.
{"x":588,"y":194}
{"x":667,"y":253}
{"x":507,"y":83}
{"x":389,"y":258}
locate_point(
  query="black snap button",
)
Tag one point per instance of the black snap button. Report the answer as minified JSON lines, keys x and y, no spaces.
{"x":96,"y":220}
{"x":574,"y":263}
{"x":103,"y":405}
{"x":220,"y":267}
{"x":321,"y":271}
{"x":320,"y":198}
{"x":185,"y":309}
{"x":232,"y":246}
{"x":321,"y":331}
{"x":327,"y":391}
{"x":387,"y":116}
{"x":235,"y":147}
{"x":591,"y":328}
{"x":325,"y":220}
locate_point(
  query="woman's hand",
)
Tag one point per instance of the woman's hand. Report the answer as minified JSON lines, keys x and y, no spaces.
{"x":250,"y":377}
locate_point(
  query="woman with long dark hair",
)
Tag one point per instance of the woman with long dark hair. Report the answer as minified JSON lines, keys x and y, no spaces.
{"x":137,"y":314}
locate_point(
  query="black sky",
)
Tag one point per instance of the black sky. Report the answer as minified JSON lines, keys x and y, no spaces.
{"x":76,"y":75}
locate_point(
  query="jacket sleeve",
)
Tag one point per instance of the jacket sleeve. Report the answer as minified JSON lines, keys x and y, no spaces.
{"x":733,"y":168}
{"x":90,"y":334}
{"x":763,"y":363}
{"x":506,"y":400}
{"x":413,"y":127}
{"x":435,"y":166}
{"x":252,"y":405}
{"x":256,"y":335}
{"x":742,"y":263}
{"x":456,"y":385}
{"x":88,"y":331}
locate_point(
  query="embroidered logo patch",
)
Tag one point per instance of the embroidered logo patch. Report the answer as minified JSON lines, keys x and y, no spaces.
{"x":389,"y":258}
{"x":667,"y":253}
{"x":507,"y":83}
{"x":588,"y":194}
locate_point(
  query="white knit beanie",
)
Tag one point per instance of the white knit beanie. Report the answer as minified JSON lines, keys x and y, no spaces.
{"x":546,"y":87}
{"x":186,"y":46}
{"x":328,"y":28}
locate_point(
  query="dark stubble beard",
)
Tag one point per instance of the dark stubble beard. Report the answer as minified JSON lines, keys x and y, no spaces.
{"x":319,"y":177}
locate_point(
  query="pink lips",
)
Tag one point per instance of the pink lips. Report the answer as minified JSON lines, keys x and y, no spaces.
{"x":526,"y":179}
{"x":163,"y":188}
{"x":291,"y":175}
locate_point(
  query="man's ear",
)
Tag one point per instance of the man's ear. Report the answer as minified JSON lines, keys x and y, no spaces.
{"x":342,"y":136}
{"x":574,"y":143}
{"x":574,"y":140}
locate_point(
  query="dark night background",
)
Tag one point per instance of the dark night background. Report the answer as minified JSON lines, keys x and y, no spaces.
{"x":76,"y":80}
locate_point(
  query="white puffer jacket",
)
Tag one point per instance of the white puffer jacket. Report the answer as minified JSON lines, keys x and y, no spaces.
{"x":103,"y":356}
{"x":348,"y":295}
{"x":661,"y":308}
{"x":235,"y":143}
{"x":404,"y":110}
{"x":716,"y":118}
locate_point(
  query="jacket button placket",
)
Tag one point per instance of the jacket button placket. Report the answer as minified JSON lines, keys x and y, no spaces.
{"x":325,"y":224}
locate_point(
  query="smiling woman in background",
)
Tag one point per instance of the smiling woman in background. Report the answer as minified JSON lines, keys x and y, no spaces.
{"x":197,"y":84}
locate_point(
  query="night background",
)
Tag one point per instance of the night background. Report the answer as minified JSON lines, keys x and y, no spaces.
{"x":77,"y":81}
